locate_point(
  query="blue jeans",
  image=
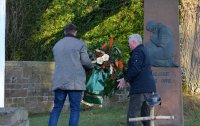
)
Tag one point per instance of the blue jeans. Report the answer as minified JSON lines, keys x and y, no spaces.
{"x":59,"y":100}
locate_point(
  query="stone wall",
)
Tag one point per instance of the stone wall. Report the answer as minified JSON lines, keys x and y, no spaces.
{"x":13,"y":117}
{"x":28,"y":84}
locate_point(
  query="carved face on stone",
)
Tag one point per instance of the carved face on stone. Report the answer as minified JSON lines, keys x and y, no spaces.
{"x":151,"y":26}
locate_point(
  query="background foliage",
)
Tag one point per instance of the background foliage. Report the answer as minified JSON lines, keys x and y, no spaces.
{"x":34,"y":26}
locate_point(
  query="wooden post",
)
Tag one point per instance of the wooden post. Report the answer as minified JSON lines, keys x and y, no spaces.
{"x":2,"y":50}
{"x":151,"y":117}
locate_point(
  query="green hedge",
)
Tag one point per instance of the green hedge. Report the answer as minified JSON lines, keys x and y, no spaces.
{"x":43,"y":21}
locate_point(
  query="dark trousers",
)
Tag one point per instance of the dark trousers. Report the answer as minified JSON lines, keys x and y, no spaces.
{"x":59,"y":100}
{"x":138,"y":108}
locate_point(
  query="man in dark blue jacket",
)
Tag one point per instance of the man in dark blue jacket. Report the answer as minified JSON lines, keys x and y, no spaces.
{"x":139,"y":76}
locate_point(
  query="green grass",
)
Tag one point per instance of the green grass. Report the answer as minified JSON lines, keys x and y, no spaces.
{"x":192,"y":110}
{"x":115,"y":115}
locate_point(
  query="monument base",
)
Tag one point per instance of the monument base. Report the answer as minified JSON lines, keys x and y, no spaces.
{"x":13,"y":117}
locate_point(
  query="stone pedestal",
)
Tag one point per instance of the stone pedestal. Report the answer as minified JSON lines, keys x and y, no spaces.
{"x":13,"y":117}
{"x":168,"y":79}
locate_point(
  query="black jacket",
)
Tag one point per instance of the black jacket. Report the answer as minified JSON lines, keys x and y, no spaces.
{"x":139,"y":73}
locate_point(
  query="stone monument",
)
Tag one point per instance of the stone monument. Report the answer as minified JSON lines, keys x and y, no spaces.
{"x":168,"y":77}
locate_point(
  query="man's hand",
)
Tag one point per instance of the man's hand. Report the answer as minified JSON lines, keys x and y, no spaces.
{"x":122,"y":83}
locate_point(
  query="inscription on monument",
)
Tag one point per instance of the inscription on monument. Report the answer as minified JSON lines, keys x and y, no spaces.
{"x":163,"y":77}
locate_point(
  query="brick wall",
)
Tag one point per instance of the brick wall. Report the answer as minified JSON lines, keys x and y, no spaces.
{"x":28,"y":84}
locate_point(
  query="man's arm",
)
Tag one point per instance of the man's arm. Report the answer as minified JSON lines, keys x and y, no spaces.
{"x":135,"y":66}
{"x":85,"y":60}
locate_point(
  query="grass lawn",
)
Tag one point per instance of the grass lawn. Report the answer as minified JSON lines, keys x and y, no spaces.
{"x":115,"y":115}
{"x":191,"y":110}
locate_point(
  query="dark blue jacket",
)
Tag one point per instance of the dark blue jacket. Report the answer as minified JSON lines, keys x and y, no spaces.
{"x":139,"y":73}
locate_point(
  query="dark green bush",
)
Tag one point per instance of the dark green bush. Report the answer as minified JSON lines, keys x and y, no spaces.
{"x":34,"y":26}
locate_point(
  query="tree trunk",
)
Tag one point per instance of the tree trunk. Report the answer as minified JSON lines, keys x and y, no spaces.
{"x":14,"y":27}
{"x":190,"y":43}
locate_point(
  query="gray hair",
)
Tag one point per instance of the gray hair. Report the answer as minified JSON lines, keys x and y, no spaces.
{"x":136,"y":37}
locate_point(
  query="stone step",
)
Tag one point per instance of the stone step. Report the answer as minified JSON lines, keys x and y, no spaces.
{"x":13,"y":117}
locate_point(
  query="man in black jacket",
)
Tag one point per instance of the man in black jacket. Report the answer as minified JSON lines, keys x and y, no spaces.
{"x":139,"y":76}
